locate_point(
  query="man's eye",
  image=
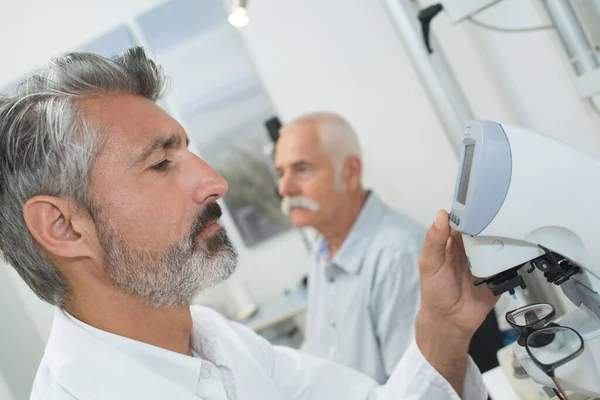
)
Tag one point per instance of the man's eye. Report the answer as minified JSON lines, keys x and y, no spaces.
{"x":161,"y":166}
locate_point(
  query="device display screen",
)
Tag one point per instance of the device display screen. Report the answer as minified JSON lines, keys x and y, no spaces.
{"x":465,"y":174}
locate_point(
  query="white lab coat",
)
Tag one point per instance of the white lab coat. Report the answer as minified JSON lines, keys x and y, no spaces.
{"x":79,"y":365}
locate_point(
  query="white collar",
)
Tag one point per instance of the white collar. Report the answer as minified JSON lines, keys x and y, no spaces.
{"x":180,"y":369}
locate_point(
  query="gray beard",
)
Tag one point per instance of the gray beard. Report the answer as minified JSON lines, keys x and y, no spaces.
{"x":171,"y":278}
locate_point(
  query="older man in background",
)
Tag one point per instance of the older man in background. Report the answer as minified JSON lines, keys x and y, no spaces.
{"x":363,"y":294}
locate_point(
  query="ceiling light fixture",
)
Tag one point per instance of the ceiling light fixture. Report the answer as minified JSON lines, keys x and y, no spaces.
{"x":239,"y":14}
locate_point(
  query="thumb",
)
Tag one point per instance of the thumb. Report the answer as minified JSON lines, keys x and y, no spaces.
{"x":434,"y":250}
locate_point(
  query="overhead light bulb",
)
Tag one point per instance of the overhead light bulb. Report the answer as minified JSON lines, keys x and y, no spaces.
{"x":239,"y":15}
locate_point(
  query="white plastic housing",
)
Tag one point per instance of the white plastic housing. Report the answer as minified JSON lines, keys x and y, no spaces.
{"x":553,"y":200}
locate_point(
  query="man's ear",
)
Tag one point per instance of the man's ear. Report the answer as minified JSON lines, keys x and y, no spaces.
{"x":352,"y":172}
{"x":57,"y":227}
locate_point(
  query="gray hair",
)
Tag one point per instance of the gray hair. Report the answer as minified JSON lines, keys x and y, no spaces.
{"x":337,"y":137}
{"x":47,"y":147}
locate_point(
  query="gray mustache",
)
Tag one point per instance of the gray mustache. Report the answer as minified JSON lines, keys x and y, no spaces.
{"x":298,"y":202}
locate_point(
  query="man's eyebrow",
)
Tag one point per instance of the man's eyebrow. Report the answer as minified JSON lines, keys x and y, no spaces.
{"x":301,"y":163}
{"x":295,"y":164}
{"x":163,"y":142}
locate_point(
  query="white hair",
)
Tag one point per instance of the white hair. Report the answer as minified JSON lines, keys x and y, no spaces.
{"x":336,"y":135}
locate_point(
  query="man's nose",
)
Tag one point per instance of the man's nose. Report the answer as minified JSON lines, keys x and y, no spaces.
{"x":287,"y":186}
{"x":211,"y":186}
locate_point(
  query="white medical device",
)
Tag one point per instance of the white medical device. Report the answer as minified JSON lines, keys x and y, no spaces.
{"x":524,"y":201}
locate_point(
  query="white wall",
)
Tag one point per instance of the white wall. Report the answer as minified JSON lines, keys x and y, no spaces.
{"x":33,"y":30}
{"x":21,"y":346}
{"x":344,"y":56}
{"x":40,"y":312}
{"x":529,"y":71}
{"x":5,"y":392}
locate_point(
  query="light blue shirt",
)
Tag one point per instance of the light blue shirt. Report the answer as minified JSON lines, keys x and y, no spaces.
{"x":362,"y":304}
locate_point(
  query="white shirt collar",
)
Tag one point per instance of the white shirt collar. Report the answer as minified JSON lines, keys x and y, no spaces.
{"x":180,"y":369}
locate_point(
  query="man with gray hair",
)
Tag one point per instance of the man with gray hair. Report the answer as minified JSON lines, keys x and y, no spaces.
{"x":363,"y":285}
{"x":109,"y":217}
